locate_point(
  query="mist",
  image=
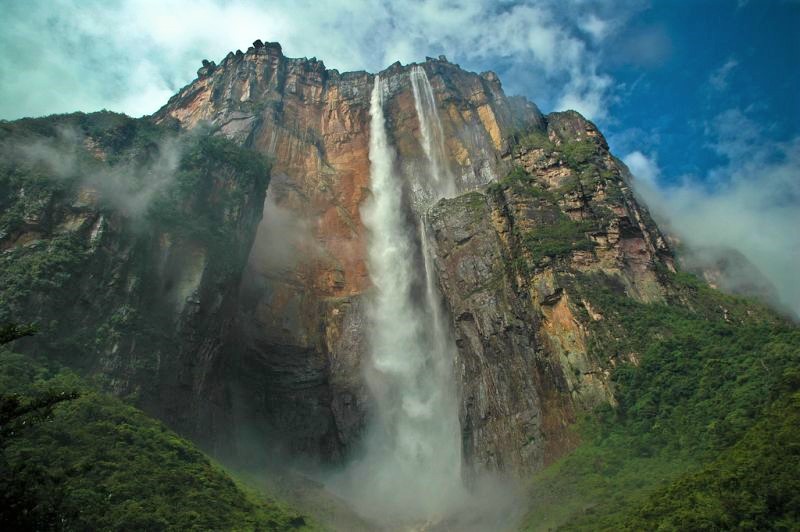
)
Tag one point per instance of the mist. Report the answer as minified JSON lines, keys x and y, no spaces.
{"x":283,"y":238}
{"x":129,"y":186}
{"x":749,"y":204}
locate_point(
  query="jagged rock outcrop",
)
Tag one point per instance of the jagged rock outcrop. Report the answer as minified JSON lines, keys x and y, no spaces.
{"x":507,"y":259}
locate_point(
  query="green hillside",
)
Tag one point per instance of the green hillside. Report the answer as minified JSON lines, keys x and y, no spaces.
{"x":96,"y":463}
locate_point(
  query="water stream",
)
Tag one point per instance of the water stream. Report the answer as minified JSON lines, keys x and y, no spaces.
{"x":433,"y":141}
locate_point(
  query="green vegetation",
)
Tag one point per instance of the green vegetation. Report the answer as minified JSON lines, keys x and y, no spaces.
{"x":520,"y":181}
{"x":99,"y":464}
{"x":119,"y":134}
{"x":535,"y":139}
{"x":576,"y":153}
{"x":44,"y":266}
{"x":558,"y":239}
{"x":14,"y":331}
{"x":555,"y":235}
{"x":165,"y":205}
{"x":755,"y":485}
{"x":705,"y":433}
{"x":579,"y":152}
{"x":198,"y":206}
{"x":94,"y":272}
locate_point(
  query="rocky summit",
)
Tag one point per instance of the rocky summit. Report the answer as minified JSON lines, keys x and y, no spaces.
{"x":214,"y":265}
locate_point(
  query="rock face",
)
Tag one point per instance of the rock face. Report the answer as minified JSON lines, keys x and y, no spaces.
{"x":508,"y":257}
{"x":276,"y":340}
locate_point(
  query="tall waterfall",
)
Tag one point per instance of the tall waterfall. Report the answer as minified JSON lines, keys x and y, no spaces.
{"x":432,"y":134}
{"x":411,"y":468}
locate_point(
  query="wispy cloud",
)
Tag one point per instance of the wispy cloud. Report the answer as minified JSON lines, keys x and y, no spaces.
{"x":718,"y":80}
{"x":749,"y":204}
{"x":131,"y":55}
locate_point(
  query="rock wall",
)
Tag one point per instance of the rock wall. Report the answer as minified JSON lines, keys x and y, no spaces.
{"x":507,"y":257}
{"x":130,"y":264}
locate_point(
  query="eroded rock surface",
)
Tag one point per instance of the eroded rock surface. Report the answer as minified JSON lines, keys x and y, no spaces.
{"x":301,"y":318}
{"x":508,"y":257}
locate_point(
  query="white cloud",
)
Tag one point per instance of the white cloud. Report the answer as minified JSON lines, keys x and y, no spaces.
{"x":643,"y":167}
{"x":128,"y":55}
{"x":749,"y":204}
{"x":594,"y":26}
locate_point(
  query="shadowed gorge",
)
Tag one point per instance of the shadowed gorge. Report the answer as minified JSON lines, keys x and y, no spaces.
{"x":395,"y":301}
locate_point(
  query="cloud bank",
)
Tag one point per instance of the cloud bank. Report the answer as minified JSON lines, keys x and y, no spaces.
{"x":750,"y":203}
{"x":131,"y":55}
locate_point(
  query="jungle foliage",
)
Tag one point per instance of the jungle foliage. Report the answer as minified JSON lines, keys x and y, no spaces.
{"x":705,"y":434}
{"x":96,"y":463}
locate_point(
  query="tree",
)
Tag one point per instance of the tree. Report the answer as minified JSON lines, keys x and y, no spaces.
{"x":20,"y":508}
{"x":17,"y":411}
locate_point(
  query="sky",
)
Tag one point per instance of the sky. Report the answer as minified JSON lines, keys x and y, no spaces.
{"x":698,"y":97}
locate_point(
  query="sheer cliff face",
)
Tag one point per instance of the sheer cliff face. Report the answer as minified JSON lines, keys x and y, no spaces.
{"x":509,"y":259}
{"x":125,"y":242}
{"x":540,"y":203}
{"x":302,"y":323}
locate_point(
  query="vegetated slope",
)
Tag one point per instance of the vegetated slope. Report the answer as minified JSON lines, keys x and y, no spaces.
{"x":100,"y":464}
{"x":704,"y":434}
{"x":124,"y":241}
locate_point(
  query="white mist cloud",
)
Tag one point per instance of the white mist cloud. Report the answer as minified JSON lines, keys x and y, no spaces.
{"x":130,"y":186}
{"x":750,"y":204}
{"x":595,"y":26}
{"x":131,"y":55}
{"x":643,"y":167}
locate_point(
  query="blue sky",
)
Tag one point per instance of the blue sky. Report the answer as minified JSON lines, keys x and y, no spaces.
{"x":699,"y":97}
{"x":717,"y":56}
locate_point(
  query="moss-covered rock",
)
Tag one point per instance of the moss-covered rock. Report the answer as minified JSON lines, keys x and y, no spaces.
{"x":125,"y":242}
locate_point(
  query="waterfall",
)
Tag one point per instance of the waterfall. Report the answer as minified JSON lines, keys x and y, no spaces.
{"x":411,"y":467}
{"x":432,"y":134}
{"x":444,"y":186}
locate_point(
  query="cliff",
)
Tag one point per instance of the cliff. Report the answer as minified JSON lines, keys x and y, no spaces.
{"x":211,"y":265}
{"x":301,"y":319}
{"x":524,"y":368}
